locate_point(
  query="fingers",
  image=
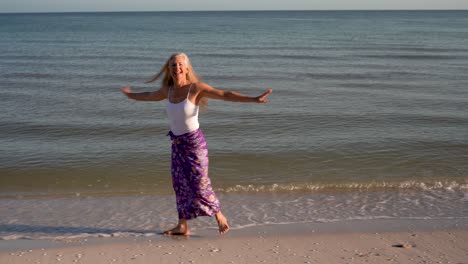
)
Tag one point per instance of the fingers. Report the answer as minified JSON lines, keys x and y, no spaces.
{"x":262,"y":98}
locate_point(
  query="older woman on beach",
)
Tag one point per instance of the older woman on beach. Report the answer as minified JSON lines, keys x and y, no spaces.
{"x":189,"y":167}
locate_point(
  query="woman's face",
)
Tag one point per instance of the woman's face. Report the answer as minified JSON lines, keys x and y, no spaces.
{"x":178,"y":68}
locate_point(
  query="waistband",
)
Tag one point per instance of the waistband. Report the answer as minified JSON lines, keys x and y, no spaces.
{"x":186,"y":135}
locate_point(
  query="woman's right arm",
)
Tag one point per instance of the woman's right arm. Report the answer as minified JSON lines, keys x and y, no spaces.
{"x":158,"y":95}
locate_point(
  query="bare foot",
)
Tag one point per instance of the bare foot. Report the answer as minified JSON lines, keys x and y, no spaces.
{"x":222,"y":223}
{"x":180,"y":230}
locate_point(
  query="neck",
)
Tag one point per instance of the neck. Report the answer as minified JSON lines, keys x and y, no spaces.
{"x":180,"y":83}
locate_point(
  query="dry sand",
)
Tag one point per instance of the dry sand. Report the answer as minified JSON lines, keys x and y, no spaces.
{"x":272,"y":244}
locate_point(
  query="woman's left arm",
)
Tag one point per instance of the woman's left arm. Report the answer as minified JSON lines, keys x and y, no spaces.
{"x":213,"y":93}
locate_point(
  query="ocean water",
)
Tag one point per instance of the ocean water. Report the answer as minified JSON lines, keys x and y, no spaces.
{"x":368,"y":118}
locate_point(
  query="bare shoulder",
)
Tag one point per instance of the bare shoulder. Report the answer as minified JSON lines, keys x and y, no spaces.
{"x":201,"y":86}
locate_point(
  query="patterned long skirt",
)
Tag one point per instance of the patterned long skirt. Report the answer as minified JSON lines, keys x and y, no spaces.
{"x":189,"y":169}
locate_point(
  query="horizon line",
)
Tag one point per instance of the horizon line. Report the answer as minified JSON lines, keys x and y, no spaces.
{"x":234,"y":10}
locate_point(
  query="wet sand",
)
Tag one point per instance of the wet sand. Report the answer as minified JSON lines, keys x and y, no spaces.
{"x":383,"y":241}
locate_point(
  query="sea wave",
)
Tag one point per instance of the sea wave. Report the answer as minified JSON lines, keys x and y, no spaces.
{"x":352,"y":186}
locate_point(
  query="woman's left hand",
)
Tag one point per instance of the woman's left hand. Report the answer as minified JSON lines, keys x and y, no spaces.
{"x":263,"y":97}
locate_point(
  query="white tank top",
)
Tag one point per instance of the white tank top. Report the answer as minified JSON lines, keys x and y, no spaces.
{"x":183,"y":116}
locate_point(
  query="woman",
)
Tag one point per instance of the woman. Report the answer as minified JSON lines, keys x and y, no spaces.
{"x":189,"y":167}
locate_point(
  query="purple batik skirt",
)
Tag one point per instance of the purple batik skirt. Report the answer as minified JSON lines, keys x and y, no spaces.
{"x":189,"y":168}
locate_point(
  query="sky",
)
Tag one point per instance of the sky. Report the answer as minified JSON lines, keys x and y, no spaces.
{"x":13,"y":6}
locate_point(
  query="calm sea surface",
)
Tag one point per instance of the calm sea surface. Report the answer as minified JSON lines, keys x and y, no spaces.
{"x":368,"y":118}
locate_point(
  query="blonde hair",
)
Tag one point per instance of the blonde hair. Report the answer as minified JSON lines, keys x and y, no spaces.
{"x":167,"y":80}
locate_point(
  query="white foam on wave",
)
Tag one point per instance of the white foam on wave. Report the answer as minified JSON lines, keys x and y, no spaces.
{"x":405,"y":185}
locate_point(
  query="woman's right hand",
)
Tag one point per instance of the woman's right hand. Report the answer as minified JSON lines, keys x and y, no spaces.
{"x":126,"y":90}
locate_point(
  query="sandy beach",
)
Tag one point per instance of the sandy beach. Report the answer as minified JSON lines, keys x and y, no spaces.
{"x":417,"y":241}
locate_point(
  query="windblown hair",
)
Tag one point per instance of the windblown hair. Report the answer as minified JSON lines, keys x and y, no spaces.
{"x":167,"y":80}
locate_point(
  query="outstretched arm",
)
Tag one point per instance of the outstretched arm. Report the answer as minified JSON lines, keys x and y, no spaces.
{"x":210,"y":92}
{"x":158,"y":95}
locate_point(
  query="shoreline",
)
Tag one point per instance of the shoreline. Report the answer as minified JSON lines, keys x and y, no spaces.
{"x":374,"y":241}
